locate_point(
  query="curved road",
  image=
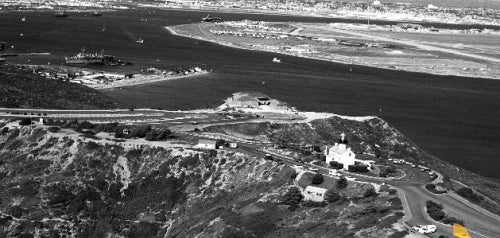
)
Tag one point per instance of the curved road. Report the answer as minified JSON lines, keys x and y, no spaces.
{"x":478,"y":223}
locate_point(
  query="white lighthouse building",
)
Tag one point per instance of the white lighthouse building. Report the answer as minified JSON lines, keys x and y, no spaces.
{"x":343,"y":154}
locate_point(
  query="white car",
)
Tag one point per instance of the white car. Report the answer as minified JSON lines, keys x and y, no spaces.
{"x":298,"y":167}
{"x":313,"y":170}
{"x":427,"y":229}
{"x":416,"y":228}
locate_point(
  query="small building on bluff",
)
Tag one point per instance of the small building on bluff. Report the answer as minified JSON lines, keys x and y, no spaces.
{"x":343,"y":154}
{"x":256,"y":100}
{"x":207,"y":144}
{"x":312,"y":193}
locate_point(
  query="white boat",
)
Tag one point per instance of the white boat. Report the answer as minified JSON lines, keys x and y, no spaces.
{"x":23,"y":19}
{"x":276,"y":60}
{"x":140,"y":41}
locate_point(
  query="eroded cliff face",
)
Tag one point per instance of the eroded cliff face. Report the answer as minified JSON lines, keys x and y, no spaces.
{"x":55,"y":185}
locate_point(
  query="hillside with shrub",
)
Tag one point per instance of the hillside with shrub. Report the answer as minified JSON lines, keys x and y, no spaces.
{"x":56,"y":185}
{"x":20,"y":88}
{"x":373,"y":136}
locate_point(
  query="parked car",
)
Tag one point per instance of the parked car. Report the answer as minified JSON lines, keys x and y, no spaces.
{"x":416,"y":228}
{"x":425,"y":229}
{"x":299,"y":167}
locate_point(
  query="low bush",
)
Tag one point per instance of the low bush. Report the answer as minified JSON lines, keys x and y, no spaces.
{"x":452,"y":220}
{"x":336,"y":165}
{"x":292,"y":197}
{"x":317,"y":179}
{"x":383,"y":174}
{"x":470,"y":194}
{"x":54,"y":129}
{"x":391,"y":170}
{"x":4,"y":131}
{"x":430,"y":186}
{"x":370,"y":192}
{"x":433,"y":189}
{"x":25,"y":121}
{"x":331,"y":196}
{"x":395,"y":201}
{"x":309,"y":203}
{"x":359,"y":168}
{"x":435,"y":210}
{"x":399,"y":234}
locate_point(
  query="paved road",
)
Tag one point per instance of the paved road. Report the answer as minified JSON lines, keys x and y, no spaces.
{"x":478,"y":223}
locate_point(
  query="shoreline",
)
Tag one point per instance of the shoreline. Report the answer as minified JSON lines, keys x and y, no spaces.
{"x":227,"y":44}
{"x":144,"y":79}
{"x":329,"y":16}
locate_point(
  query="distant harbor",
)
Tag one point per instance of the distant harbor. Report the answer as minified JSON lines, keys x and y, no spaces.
{"x":106,"y":80}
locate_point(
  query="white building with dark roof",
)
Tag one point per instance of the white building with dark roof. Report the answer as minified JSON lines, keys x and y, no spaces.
{"x":343,"y":154}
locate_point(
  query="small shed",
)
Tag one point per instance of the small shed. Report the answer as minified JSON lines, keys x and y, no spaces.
{"x":233,"y":145}
{"x":314,"y":193}
{"x":207,"y":144}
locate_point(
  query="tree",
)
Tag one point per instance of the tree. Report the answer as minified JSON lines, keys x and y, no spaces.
{"x":4,"y":130}
{"x":25,"y":121}
{"x":292,"y":197}
{"x":317,"y":179}
{"x":342,"y":183}
{"x":370,"y":192}
{"x":331,"y":196}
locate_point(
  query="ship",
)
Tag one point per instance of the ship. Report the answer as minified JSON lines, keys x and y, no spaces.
{"x":276,"y":60}
{"x":98,"y":58}
{"x":208,"y":18}
{"x":84,"y":58}
{"x":61,"y":14}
